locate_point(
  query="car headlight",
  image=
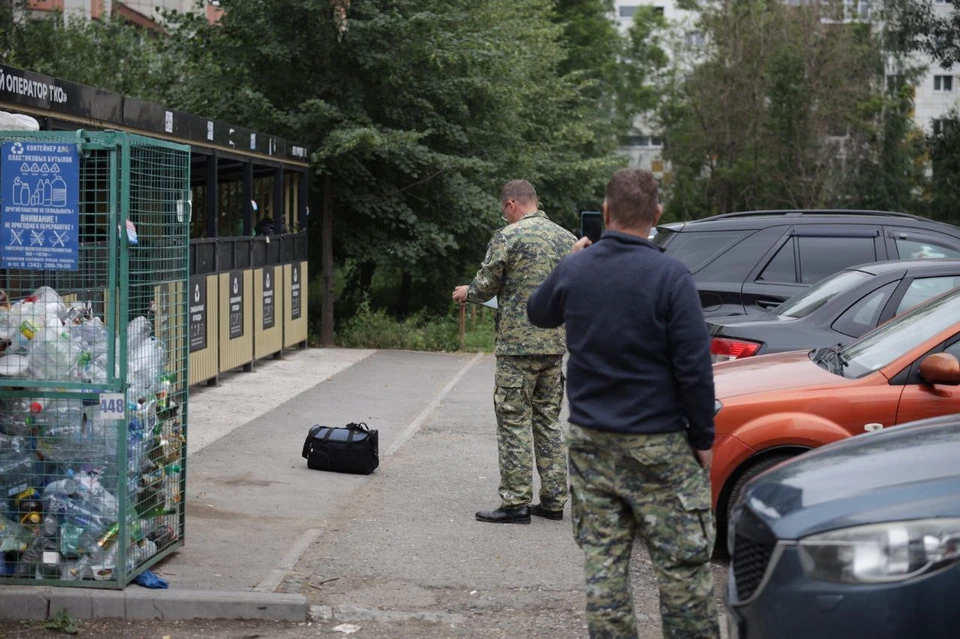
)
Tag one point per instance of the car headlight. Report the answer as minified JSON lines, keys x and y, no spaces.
{"x":716,"y":407}
{"x":878,"y":553}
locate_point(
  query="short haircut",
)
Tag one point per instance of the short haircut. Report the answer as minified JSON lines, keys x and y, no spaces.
{"x":632,"y":197}
{"x":519,"y":190}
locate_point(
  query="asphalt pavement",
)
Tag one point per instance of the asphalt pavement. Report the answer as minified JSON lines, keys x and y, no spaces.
{"x":395,"y":554}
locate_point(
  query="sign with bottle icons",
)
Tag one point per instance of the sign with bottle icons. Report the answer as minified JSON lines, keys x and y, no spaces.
{"x":269,"y":305}
{"x":39,"y":206}
{"x":198,"y":313}
{"x":236,"y":304}
{"x":296,"y":274}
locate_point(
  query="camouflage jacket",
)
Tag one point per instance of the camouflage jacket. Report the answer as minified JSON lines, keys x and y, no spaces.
{"x":519,"y":258}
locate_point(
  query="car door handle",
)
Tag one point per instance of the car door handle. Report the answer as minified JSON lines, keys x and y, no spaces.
{"x":767,"y":304}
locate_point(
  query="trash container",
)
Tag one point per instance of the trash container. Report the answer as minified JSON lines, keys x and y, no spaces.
{"x":295,"y":304}
{"x":235,"y":312}
{"x":93,"y":369}
{"x":203,"y":296}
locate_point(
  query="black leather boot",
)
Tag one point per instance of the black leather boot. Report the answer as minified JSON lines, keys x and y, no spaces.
{"x":506,"y":515}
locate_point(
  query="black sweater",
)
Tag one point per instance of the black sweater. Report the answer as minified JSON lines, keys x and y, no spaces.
{"x":639,"y":349}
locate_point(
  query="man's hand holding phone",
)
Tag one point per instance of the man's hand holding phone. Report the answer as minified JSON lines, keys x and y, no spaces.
{"x":581,"y":244}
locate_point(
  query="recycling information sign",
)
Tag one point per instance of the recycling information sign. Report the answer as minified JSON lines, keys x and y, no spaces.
{"x":39,"y":206}
{"x":295,"y":292}
{"x":236,"y":304}
{"x":198,"y":313}
{"x":269,"y":301}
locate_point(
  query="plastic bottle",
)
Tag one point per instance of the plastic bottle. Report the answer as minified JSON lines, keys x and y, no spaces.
{"x":13,"y":444}
{"x":54,"y":355}
{"x":13,"y":536}
{"x":66,"y":434}
{"x":93,"y":491}
{"x":17,"y":472}
{"x":77,"y":511}
{"x":30,"y":509}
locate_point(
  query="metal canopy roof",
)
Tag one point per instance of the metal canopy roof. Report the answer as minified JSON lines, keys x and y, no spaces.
{"x":45,"y":96}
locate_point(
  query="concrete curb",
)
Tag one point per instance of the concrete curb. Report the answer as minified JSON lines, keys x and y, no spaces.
{"x":28,"y":602}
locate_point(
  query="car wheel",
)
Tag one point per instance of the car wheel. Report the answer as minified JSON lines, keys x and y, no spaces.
{"x":752,"y":471}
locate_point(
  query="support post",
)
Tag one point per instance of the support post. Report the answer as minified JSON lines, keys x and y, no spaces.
{"x":213,"y":194}
{"x":326,"y":245}
{"x":248,"y":199}
{"x":278,"y":210}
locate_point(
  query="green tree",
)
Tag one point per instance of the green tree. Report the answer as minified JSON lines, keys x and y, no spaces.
{"x":786,"y":108}
{"x":416,"y":114}
{"x":110,"y":54}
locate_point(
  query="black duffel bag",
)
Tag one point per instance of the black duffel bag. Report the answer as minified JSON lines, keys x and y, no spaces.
{"x":353,"y":449}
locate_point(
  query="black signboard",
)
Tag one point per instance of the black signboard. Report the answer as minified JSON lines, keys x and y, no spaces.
{"x":269,"y":299}
{"x":198,"y":313}
{"x":60,"y":97}
{"x":236,"y":304}
{"x":295,"y":291}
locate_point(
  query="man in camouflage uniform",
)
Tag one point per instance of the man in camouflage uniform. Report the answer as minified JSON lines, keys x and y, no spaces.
{"x":640,"y":385}
{"x":529,"y":386}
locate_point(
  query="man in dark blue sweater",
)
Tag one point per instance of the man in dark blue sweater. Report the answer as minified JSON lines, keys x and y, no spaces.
{"x":640,"y":385}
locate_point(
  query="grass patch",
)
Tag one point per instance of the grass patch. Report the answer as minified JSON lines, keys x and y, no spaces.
{"x":370,"y":328}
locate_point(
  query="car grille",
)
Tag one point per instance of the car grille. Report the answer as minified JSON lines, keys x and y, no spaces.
{"x":750,"y":560}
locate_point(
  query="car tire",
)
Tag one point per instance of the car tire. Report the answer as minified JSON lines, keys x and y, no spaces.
{"x":752,"y":470}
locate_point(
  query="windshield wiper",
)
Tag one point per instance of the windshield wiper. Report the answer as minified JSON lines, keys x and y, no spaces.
{"x":842,"y":361}
{"x":829,"y":358}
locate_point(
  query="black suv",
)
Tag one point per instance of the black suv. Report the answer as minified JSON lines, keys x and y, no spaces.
{"x":746,"y":263}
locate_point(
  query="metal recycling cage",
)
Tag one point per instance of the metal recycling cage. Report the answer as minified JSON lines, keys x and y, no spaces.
{"x":94,"y":242}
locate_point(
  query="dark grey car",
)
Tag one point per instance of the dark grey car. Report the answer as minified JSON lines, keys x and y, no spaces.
{"x":748,"y":262}
{"x":836,"y":310}
{"x":860,"y":538}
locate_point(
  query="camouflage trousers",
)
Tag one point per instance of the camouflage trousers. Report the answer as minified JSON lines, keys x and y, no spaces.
{"x":651,"y":485}
{"x":527,"y":397}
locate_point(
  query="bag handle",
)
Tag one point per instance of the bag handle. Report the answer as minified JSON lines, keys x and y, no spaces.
{"x":361,"y":426}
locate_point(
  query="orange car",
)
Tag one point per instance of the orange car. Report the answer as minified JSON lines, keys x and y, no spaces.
{"x":773,"y":407}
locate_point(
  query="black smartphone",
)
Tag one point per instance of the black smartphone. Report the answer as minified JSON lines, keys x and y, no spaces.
{"x":591,"y":224}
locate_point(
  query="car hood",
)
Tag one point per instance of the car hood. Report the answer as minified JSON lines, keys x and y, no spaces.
{"x":782,"y":371}
{"x":906,"y":472}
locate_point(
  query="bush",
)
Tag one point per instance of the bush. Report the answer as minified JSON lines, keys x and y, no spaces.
{"x":370,"y":328}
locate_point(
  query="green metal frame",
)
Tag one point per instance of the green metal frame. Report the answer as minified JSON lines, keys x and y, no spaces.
{"x":123,"y":177}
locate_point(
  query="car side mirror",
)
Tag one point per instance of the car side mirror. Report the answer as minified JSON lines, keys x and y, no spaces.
{"x":941,"y":368}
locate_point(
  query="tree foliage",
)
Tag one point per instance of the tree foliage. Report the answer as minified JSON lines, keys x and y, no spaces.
{"x":780,"y":109}
{"x":417,"y":113}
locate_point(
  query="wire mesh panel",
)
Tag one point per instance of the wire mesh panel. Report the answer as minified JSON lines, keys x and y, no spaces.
{"x":93,"y":369}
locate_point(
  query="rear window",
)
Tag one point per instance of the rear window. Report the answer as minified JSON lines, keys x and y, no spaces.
{"x":696,"y":250}
{"x":821,"y":256}
{"x":816,"y":296}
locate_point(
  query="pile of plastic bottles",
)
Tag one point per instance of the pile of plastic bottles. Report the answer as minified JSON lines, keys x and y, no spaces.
{"x":60,"y":474}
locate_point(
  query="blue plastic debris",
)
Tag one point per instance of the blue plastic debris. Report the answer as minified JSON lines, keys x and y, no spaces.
{"x":149,"y":580}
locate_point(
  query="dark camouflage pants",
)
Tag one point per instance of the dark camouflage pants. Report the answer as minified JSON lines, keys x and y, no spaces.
{"x":527,"y":397}
{"x":651,"y":485}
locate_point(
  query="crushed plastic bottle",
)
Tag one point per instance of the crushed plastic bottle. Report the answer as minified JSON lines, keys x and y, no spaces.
{"x":13,"y":444}
{"x":54,"y":355}
{"x":17,"y":473}
{"x":13,"y":536}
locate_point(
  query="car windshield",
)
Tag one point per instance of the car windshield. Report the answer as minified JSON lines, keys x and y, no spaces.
{"x":819,"y":294}
{"x":878,"y":348}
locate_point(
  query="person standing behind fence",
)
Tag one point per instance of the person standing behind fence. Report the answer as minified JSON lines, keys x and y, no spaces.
{"x":640,"y":385}
{"x":529,"y":386}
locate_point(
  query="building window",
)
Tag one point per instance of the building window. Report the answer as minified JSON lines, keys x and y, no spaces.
{"x":943,"y":83}
{"x":656,"y":141}
{"x":694,"y":39}
{"x":628,"y":11}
